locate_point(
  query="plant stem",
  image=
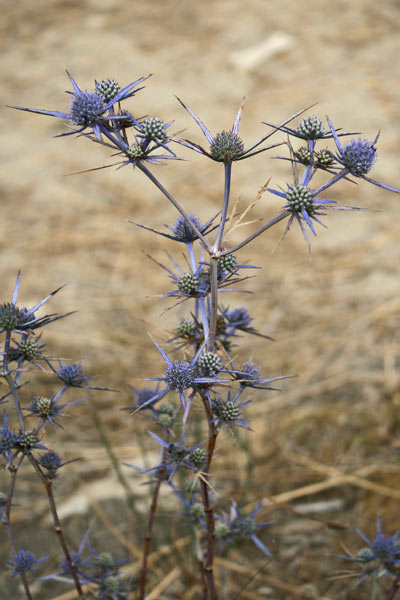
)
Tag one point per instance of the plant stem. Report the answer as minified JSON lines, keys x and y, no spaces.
{"x":14,"y":470}
{"x":393,"y":590}
{"x":48,"y":484}
{"x":227,"y":190}
{"x":207,"y":571}
{"x":152,"y":514}
{"x":213,"y":303}
{"x":14,"y":392}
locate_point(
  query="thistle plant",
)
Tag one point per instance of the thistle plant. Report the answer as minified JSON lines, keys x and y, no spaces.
{"x":199,"y":366}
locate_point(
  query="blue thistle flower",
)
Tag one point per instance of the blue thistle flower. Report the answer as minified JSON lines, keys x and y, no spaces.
{"x":304,"y":206}
{"x":226,"y":146}
{"x":239,"y":319}
{"x":107,"y":89}
{"x":143,"y":396}
{"x":51,"y":462}
{"x":181,"y":232}
{"x":92,"y":110}
{"x":228,"y":412}
{"x":249,"y":375}
{"x":179,"y":455}
{"x":234,"y":525}
{"x":384,"y":548}
{"x":180,"y":376}
{"x":27,"y":349}
{"x":72,"y":375}
{"x":86,"y":109}
{"x":8,"y":439}
{"x":47,"y":409}
{"x":24,"y":561}
{"x":358,"y":157}
{"x":139,"y":150}
{"x":311,"y":128}
{"x":27,"y":441}
{"x":381,"y":556}
{"x":20,"y":320}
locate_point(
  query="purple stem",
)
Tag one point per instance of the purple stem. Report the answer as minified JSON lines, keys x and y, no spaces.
{"x":48,"y":484}
{"x":393,"y":590}
{"x":14,"y":470}
{"x":152,"y":514}
{"x":14,"y":392}
{"x":224,"y":212}
{"x":207,"y":570}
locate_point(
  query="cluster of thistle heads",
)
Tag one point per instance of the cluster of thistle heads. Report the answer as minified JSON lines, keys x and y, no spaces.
{"x":198,"y":358}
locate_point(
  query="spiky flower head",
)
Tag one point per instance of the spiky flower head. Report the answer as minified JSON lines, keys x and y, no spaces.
{"x":183,"y":232}
{"x":359,"y":156}
{"x":222,"y":531}
{"x":105,"y":560}
{"x":111,"y":583}
{"x":210,"y":362}
{"x":189,"y":284}
{"x":177,"y":452}
{"x":107,"y":89}
{"x":135,"y":151}
{"x":303,"y":155}
{"x":24,"y":561}
{"x":154,"y":129}
{"x":245,"y":526}
{"x":145,"y":394}
{"x":250,"y":372}
{"x":50,"y":461}
{"x":197,"y":510}
{"x":29,"y":349}
{"x":27,"y":441}
{"x":86,"y":108}
{"x":8,"y":439}
{"x":179,"y":375}
{"x":239,"y":317}
{"x":198,"y":457}
{"x":186,"y":328}
{"x":324,"y":159}
{"x":43,"y":407}
{"x":71,"y":375}
{"x":227,"y":263}
{"x":165,"y":420}
{"x":11,"y":317}
{"x":386,"y":547}
{"x":299,"y":198}
{"x":166,"y":409}
{"x":226,"y":410}
{"x":226,"y":147}
{"x":311,"y":128}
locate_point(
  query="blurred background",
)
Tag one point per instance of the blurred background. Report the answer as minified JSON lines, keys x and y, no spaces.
{"x":319,"y":447}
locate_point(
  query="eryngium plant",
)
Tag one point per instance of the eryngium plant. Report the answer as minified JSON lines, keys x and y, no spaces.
{"x":205,"y":373}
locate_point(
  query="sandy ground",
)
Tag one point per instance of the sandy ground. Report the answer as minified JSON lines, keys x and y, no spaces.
{"x":334,"y":315}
